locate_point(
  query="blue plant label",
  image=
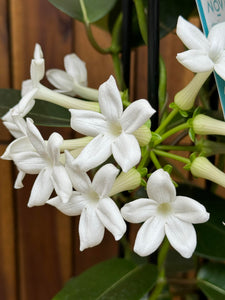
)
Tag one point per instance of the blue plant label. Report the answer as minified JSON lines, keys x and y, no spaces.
{"x":211,"y":13}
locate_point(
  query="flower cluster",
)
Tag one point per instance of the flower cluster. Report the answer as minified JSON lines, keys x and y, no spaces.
{"x":116,"y":149}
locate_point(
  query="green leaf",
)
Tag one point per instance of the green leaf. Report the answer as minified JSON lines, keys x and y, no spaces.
{"x":109,"y":280}
{"x":211,"y":280}
{"x":95,"y":10}
{"x":43,"y":113}
{"x":210,"y":235}
{"x":169,"y":12}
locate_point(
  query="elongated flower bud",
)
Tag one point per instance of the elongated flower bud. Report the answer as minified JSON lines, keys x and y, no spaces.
{"x":185,"y":98}
{"x":202,"y":167}
{"x":143,"y":135}
{"x":206,"y":125}
{"x":126,"y":181}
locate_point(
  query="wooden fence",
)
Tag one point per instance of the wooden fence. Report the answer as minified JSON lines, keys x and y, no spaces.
{"x":39,"y":247}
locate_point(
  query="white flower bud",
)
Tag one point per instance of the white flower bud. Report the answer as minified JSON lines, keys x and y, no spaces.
{"x":185,"y":98}
{"x":202,"y":167}
{"x":206,"y":125}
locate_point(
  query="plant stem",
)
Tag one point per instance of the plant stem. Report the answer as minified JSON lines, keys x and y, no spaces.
{"x":142,"y":19}
{"x":89,"y":31}
{"x":171,"y":132}
{"x":171,"y":115}
{"x":173,"y":156}
{"x":178,"y":148}
{"x":118,"y":71}
{"x":155,"y":160}
{"x":161,"y":277}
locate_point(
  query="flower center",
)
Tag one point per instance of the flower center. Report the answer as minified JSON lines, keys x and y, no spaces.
{"x":164,"y":208}
{"x":114,"y":129}
{"x":93,"y":197}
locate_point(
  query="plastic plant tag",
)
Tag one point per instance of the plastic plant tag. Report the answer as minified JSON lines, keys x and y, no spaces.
{"x":211,"y":13}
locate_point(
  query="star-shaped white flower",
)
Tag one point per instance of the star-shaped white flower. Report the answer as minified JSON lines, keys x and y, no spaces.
{"x":206,"y":53}
{"x":67,"y":81}
{"x":32,"y":155}
{"x":112,"y":128}
{"x":164,"y":213}
{"x":91,"y":201}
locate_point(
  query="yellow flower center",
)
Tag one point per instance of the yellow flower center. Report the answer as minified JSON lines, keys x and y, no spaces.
{"x":164,"y":208}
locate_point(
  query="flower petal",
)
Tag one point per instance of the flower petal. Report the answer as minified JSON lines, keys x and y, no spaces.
{"x":139,"y":210}
{"x":135,"y":115}
{"x":91,"y":229}
{"x":18,"y":183}
{"x":80,"y":180}
{"x":95,"y":153}
{"x":149,"y":236}
{"x":73,"y":207}
{"x":104,"y":179}
{"x":76,"y":68}
{"x":60,"y":79}
{"x":110,"y":216}
{"x":181,"y":236}
{"x":53,"y":146}
{"x":110,"y":100}
{"x":216,"y":36}
{"x":61,"y":183}
{"x":29,"y":162}
{"x":160,"y":187}
{"x":189,"y":210}
{"x":35,"y":138}
{"x":88,"y":122}
{"x":126,"y":151}
{"x":195,"y":60}
{"x":191,"y":36}
{"x":19,"y":145}
{"x":42,"y":189}
{"x":219,"y":66}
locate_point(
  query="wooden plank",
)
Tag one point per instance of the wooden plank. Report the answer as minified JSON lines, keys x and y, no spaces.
{"x":8,"y":282}
{"x":4,"y":58}
{"x":44,"y":234}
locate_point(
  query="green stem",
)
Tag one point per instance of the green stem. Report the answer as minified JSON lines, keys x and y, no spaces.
{"x":166,"y":121}
{"x":142,"y":19}
{"x":89,"y":31}
{"x":173,"y":156}
{"x":118,"y":70}
{"x":163,"y":253}
{"x":161,"y":277}
{"x":155,"y":160}
{"x":178,"y":148}
{"x":144,"y":159}
{"x":171,"y":132}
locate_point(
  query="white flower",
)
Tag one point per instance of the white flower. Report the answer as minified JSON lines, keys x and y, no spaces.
{"x":76,"y":74}
{"x":206,"y":53}
{"x":90,"y":200}
{"x":14,"y":118}
{"x":164,"y":213}
{"x":32,"y":155}
{"x":113,"y":129}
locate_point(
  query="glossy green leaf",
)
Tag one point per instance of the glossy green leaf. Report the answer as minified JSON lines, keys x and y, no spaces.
{"x":211,"y":280}
{"x":169,"y":12}
{"x":95,"y":10}
{"x":210,"y":235}
{"x":43,"y":113}
{"x":109,"y":280}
